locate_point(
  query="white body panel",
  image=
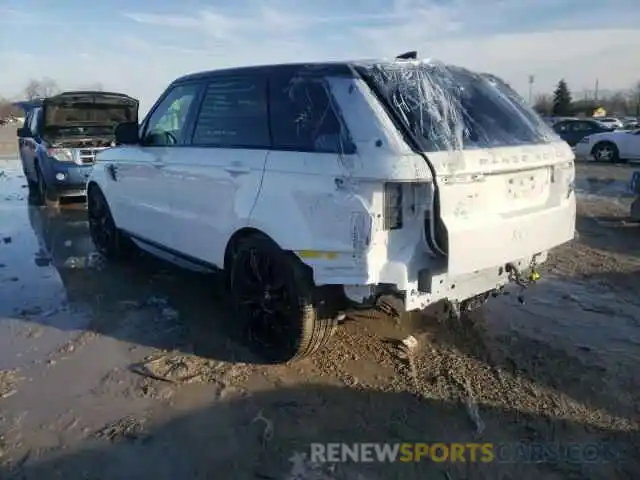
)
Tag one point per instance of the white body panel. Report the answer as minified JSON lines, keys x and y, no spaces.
{"x":213,"y":192}
{"x":498,"y":206}
{"x":138,"y":196}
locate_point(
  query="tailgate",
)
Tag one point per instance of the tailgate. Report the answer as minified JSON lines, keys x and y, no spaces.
{"x":505,"y":204}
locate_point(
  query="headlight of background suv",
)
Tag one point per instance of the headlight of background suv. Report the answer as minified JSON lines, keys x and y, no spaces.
{"x":61,"y":154}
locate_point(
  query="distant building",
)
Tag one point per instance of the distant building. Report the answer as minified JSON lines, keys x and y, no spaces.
{"x":599,"y":112}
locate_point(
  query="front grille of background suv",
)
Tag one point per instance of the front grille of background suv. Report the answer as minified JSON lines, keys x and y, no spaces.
{"x":87,"y":156}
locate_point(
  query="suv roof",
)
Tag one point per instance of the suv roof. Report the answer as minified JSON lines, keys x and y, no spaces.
{"x":324,"y":68}
{"x":333,"y":68}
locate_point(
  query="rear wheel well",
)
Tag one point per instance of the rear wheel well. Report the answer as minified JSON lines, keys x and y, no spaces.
{"x":235,"y":239}
{"x":603,"y":142}
{"x":243,"y":233}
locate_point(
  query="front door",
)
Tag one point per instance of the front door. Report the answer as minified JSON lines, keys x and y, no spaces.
{"x":629,"y":145}
{"x":140,"y":187}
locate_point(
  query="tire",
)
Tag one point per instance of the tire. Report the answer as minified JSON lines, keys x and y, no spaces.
{"x":109,"y":241}
{"x":606,"y":152}
{"x":282,"y":323}
{"x":42,"y":194}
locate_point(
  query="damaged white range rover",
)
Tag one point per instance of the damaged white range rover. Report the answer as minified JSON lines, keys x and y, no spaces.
{"x":401,"y":176}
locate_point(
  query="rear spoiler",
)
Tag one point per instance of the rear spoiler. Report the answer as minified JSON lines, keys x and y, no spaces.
{"x":412,"y":55}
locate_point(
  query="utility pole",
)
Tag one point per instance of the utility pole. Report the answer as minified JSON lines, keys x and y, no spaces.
{"x":596,"y":92}
{"x":531,"y":80}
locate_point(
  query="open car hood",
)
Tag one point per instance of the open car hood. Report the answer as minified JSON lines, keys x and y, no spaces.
{"x":89,"y":109}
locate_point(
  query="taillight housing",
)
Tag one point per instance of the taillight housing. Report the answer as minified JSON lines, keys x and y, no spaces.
{"x":393,"y":218}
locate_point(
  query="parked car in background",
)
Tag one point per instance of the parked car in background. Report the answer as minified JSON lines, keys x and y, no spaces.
{"x":630,"y":123}
{"x":610,"y":122}
{"x":574,"y":130}
{"x":612,"y":146}
{"x":303,"y":179}
{"x":61,"y":136}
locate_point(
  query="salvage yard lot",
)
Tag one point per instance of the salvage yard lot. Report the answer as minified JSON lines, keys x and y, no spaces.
{"x":135,"y":371}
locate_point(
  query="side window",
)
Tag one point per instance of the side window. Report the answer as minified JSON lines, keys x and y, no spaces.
{"x":560,"y":127}
{"x":166,"y":124}
{"x":233,"y":114}
{"x":303,"y":117}
{"x":582,"y":126}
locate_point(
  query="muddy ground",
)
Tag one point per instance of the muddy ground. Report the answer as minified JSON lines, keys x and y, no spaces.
{"x":127,"y":372}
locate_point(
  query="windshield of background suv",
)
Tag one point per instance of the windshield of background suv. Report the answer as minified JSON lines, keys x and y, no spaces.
{"x":87,"y":115}
{"x":87,"y":131}
{"x":450,"y":108}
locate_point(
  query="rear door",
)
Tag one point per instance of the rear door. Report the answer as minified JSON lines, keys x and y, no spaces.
{"x":215,"y":181}
{"x":307,"y":180}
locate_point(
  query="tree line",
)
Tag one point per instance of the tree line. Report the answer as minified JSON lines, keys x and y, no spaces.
{"x":37,"y":88}
{"x":562,"y":104}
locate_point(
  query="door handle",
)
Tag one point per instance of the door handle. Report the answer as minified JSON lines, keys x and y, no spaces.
{"x":237,"y":169}
{"x":158,"y":165}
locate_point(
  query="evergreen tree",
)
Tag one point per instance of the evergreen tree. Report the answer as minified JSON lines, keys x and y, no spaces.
{"x":562,"y":100}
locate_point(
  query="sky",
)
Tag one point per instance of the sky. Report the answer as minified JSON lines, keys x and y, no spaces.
{"x":140,"y":47}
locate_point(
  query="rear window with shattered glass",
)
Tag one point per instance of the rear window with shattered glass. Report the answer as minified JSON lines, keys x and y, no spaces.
{"x":450,"y":108}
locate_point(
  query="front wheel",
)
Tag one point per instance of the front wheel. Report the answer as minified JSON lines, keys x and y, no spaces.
{"x":42,"y":194}
{"x":109,"y":241}
{"x":606,"y":152}
{"x":275,"y":296}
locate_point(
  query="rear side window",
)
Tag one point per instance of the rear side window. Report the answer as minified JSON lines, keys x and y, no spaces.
{"x":583,"y":126}
{"x":561,"y":127}
{"x":233,"y":114}
{"x":303,"y":117}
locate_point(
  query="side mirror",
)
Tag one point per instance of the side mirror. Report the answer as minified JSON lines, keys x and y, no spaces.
{"x":127,"y":133}
{"x":24,"y":132}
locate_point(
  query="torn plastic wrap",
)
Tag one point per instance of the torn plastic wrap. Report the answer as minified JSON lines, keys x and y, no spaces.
{"x":448,"y":108}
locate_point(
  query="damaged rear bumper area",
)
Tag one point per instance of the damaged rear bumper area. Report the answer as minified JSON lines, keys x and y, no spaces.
{"x":424,"y":279}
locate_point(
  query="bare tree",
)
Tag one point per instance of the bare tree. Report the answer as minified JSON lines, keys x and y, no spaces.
{"x":44,"y":87}
{"x":8,"y":109}
{"x":543,"y":104}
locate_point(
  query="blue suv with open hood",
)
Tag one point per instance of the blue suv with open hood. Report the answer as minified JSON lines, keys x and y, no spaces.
{"x":61,"y":136}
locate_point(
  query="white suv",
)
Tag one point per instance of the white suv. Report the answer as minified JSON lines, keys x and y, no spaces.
{"x":402,"y":176}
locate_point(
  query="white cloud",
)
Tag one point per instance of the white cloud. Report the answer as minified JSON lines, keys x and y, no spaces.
{"x":141,"y":52}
